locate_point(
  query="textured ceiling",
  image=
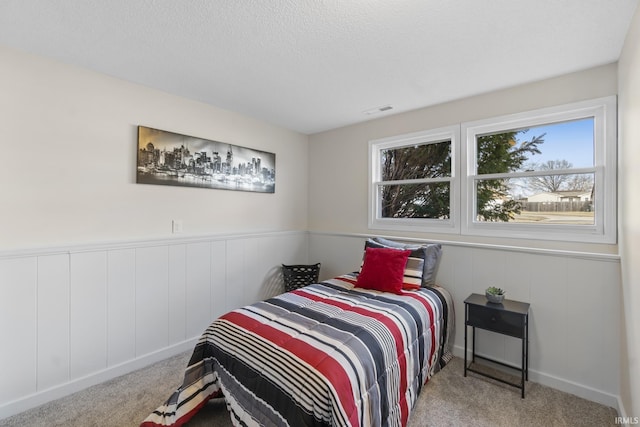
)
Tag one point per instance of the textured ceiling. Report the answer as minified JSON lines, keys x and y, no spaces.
{"x":313,"y":65}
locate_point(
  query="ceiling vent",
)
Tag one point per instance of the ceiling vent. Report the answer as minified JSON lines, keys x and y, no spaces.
{"x":378,"y":110}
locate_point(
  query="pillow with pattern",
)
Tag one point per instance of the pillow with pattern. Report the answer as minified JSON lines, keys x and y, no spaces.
{"x":431,"y":255}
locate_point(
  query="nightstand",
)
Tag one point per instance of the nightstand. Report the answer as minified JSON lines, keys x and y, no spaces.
{"x":509,"y":318}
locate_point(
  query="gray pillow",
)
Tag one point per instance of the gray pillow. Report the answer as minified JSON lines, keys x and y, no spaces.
{"x":432,"y":254}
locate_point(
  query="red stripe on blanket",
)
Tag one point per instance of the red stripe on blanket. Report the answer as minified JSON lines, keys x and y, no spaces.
{"x":180,"y":421}
{"x":391,"y":326}
{"x":323,"y":362}
{"x":346,"y":279}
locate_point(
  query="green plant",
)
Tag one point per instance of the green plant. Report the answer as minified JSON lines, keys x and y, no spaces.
{"x":492,"y":290}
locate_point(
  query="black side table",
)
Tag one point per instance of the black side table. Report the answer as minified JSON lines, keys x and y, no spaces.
{"x":509,"y":318}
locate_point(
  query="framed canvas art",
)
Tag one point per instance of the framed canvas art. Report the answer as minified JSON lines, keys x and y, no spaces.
{"x":168,"y":158}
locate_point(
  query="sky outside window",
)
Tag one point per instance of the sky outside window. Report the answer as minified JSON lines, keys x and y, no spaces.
{"x":571,"y":141}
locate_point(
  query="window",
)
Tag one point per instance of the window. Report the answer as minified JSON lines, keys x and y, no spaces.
{"x":546,"y":174}
{"x":413,"y":183}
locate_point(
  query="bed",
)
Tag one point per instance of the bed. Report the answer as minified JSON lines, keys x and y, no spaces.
{"x":329,"y":354}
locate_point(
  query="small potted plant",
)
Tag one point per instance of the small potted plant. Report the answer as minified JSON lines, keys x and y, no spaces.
{"x":494,"y":295}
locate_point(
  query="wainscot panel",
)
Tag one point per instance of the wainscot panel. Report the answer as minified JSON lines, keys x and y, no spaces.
{"x":76,"y":316}
{"x":53,"y":321}
{"x":574,"y":318}
{"x":18,"y":327}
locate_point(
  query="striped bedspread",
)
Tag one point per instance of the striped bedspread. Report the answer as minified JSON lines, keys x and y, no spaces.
{"x":326,"y":354}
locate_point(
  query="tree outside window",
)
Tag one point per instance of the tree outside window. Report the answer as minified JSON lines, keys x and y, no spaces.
{"x":545,"y":174}
{"x":412,"y":170}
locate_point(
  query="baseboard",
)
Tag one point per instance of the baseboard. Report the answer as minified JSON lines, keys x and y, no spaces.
{"x":36,"y":399}
{"x":563,"y":385}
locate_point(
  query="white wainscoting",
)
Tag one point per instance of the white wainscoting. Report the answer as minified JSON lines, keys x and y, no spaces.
{"x":74,"y":317}
{"x":575,"y":306}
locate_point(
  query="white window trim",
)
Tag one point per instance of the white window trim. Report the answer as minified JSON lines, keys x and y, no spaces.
{"x":603,"y":110}
{"x":462,"y":218}
{"x":451,"y":225}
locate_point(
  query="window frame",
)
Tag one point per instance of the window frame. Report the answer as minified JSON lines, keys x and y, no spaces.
{"x":463,"y":176}
{"x":376,"y":221}
{"x":603,"y":230}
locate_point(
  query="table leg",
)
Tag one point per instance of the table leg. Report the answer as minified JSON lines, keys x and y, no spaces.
{"x":526,"y":332}
{"x":473,"y":344}
{"x":465,"y":344}
{"x":524,"y":363}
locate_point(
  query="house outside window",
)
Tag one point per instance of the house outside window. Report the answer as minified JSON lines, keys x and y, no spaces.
{"x":546,"y":174}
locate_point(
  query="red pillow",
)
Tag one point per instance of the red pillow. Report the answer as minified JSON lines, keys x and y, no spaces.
{"x":383,"y":269}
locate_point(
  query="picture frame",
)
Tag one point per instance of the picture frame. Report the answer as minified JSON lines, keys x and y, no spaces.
{"x":169,"y":158}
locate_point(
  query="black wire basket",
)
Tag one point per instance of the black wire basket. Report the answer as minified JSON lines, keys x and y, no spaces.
{"x":297,"y":276}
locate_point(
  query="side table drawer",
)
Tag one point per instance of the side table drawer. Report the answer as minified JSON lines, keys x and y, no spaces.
{"x":503,"y":322}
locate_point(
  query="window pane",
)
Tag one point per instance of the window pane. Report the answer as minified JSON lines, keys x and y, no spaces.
{"x":533,"y":200}
{"x":416,"y":162}
{"x":563,"y":145}
{"x":415,"y":200}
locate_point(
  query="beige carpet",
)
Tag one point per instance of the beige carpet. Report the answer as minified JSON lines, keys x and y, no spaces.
{"x":449,"y":399}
